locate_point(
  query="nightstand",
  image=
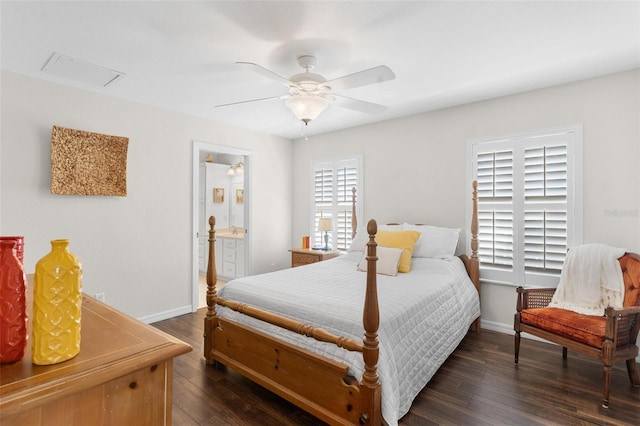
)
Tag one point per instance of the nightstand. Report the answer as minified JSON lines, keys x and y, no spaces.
{"x":301,"y":257}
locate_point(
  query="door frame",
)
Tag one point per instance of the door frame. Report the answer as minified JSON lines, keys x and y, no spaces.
{"x":200,"y":147}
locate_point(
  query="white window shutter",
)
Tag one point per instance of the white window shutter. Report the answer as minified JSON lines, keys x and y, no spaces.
{"x":323,"y":189}
{"x":495,"y":201}
{"x":545,"y":215}
{"x":333,"y":183}
{"x":529,"y":210}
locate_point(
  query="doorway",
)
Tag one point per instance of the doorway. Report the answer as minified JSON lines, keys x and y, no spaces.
{"x":221,"y":187}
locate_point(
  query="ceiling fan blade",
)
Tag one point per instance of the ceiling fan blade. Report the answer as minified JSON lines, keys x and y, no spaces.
{"x":267,"y":73}
{"x":271,"y":98}
{"x":358,"y":105}
{"x":362,"y":78}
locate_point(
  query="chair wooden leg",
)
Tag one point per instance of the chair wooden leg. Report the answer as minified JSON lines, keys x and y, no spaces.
{"x":606,"y":382}
{"x":564,"y":352}
{"x":517,"y":346}
{"x":632,"y":369}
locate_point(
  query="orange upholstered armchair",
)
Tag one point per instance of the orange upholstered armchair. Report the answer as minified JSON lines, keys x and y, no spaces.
{"x":610,"y":338}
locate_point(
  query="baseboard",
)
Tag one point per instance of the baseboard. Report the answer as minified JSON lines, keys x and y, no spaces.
{"x":508,"y":329}
{"x":496,"y":326}
{"x":160,"y":316}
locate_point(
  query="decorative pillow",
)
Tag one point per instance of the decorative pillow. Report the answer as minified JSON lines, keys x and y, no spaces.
{"x":359,"y":243}
{"x":388,"y":260}
{"x":435,"y":241}
{"x":405,"y":240}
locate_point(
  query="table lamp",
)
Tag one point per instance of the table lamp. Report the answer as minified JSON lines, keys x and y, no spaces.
{"x":325,"y":224}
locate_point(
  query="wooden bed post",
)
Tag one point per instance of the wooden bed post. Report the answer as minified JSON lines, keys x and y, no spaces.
{"x":371,"y":321}
{"x":354,"y":217}
{"x":474,"y":272}
{"x":474,"y":230}
{"x":211,"y":319}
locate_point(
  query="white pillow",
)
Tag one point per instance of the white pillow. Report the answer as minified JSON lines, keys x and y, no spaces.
{"x":396,"y":227}
{"x":435,"y":241}
{"x":359,"y":243}
{"x":388,"y":260}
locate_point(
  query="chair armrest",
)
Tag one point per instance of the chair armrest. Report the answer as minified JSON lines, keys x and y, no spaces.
{"x":623,"y":325}
{"x":630,"y":310}
{"x":533,"y":297}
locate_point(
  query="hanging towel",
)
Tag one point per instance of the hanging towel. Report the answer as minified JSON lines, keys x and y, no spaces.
{"x":591,"y":279}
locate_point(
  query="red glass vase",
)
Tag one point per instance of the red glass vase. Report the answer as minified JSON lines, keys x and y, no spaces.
{"x":13,"y":304}
{"x":19,"y":248}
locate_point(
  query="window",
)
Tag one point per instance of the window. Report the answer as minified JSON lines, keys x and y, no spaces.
{"x":529,"y":204}
{"x":332,"y":194}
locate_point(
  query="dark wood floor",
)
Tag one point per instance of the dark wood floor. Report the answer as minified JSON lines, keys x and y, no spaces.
{"x":478,"y":385}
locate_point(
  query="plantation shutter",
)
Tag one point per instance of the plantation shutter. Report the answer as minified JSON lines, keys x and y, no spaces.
{"x":333,"y":183}
{"x":347,"y":179}
{"x":323,"y":191}
{"x":545,"y":207}
{"x":323,"y":199}
{"x":528,"y":213}
{"x":495,"y":208}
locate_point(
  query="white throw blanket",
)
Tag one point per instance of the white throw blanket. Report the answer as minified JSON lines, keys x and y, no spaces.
{"x":591,"y":280}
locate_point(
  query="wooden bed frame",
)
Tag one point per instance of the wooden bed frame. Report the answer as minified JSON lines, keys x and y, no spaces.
{"x":317,"y":384}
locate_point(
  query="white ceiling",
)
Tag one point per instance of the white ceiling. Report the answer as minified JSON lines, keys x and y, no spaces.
{"x":180,"y":55}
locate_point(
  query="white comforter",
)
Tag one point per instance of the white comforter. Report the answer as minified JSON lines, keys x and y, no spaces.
{"x":424,"y":315}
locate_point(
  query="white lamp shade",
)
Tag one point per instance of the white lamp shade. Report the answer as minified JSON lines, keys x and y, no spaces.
{"x":307,"y":108}
{"x":325,"y":224}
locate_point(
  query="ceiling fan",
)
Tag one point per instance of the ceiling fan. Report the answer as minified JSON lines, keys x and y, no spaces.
{"x":310,"y":93}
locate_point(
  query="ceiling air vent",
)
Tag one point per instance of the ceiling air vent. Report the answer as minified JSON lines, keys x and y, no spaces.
{"x":75,"y":69}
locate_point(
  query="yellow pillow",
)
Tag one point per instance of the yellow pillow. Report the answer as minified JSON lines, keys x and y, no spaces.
{"x":399,"y":239}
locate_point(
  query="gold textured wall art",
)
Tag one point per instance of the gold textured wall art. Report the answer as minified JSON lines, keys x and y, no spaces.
{"x":86,"y":163}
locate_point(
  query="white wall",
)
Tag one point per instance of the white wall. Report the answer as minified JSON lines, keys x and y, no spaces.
{"x":414,"y":167}
{"x":136,"y":249}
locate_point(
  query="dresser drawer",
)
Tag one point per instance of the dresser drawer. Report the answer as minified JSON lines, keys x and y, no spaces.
{"x":231,"y":263}
{"x":301,"y":257}
{"x":298,"y":259}
{"x":229,"y":255}
{"x":229,"y":269}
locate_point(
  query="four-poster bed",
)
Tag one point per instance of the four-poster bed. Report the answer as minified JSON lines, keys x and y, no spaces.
{"x":312,"y":358}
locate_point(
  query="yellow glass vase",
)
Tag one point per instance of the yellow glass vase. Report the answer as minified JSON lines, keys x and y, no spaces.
{"x":57,"y":306}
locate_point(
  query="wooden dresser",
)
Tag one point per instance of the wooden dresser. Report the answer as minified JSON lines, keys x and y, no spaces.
{"x":122,"y":376}
{"x":300,"y":256}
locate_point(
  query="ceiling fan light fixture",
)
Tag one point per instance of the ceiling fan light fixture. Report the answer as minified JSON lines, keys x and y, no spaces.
{"x":307,"y":108}
{"x":310,"y":93}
